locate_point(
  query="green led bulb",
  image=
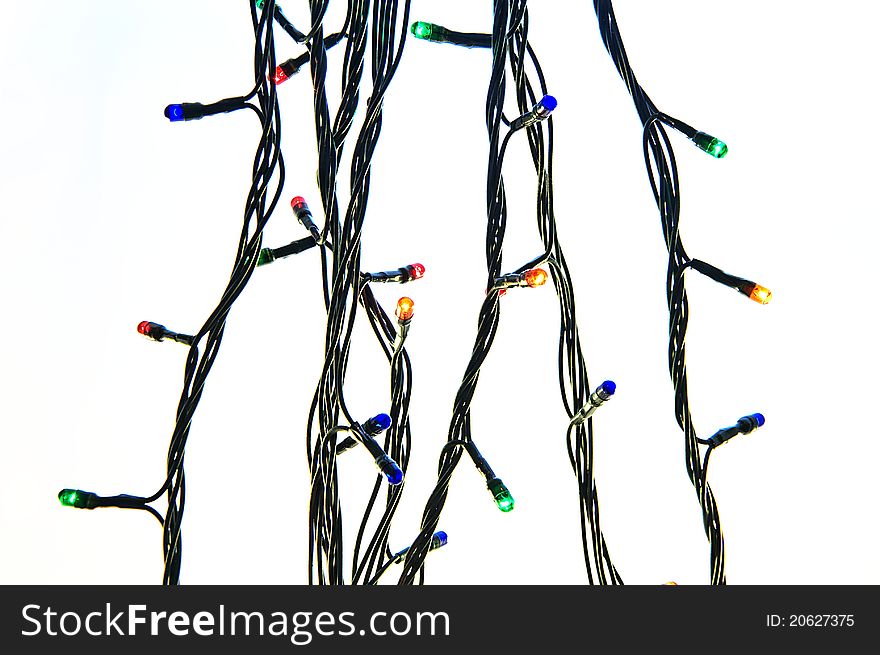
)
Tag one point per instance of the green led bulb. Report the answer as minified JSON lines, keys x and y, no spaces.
{"x":266,"y":257}
{"x":428,"y":31}
{"x":77,"y":498}
{"x":501,"y":494}
{"x":708,"y":143}
{"x":260,"y":4}
{"x":421,"y":30}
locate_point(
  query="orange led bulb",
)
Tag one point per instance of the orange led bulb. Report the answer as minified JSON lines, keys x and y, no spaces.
{"x":535,"y":277}
{"x":760,"y":294}
{"x":404,"y":310}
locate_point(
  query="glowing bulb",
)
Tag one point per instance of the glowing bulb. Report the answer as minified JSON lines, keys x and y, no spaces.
{"x":608,"y":387}
{"x":535,"y":277}
{"x":77,"y":498}
{"x":174,"y":113}
{"x":708,"y":143}
{"x":379,"y":423}
{"x":404,"y":310}
{"x":500,"y":494}
{"x":548,"y":103}
{"x":439,"y":540}
{"x":761,"y":294}
{"x":391,"y":470}
{"x":422,"y":30}
{"x":545,"y":107}
{"x":153,"y":330}
{"x":416,"y":271}
{"x":68,"y":497}
{"x":504,"y":502}
{"x":670,"y":584}
{"x":280,"y":76}
{"x":717,"y":148}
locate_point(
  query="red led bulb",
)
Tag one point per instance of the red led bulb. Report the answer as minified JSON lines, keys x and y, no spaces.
{"x":298,"y":202}
{"x":416,"y":271}
{"x":404,"y":309}
{"x":280,"y":76}
{"x":152,"y":330}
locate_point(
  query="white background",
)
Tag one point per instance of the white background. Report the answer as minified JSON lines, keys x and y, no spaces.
{"x":112,"y":215}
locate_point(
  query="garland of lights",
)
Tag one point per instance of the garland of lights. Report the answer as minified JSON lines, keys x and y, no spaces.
{"x":663,"y":175}
{"x":331,"y":429}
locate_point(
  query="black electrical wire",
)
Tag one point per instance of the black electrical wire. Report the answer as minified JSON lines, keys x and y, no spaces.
{"x":346,"y":289}
{"x":343,"y":291}
{"x":268,"y":169}
{"x":510,"y":44}
{"x":664,"y":180}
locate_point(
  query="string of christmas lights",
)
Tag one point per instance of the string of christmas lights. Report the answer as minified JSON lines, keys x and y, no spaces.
{"x":510,"y":45}
{"x":663,"y":176}
{"x":204,"y":346}
{"x":332,"y":428}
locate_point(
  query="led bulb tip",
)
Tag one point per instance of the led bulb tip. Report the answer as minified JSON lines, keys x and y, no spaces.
{"x":719,"y":149}
{"x":441,"y":537}
{"x":77,"y":498}
{"x":759,"y":418}
{"x":68,"y":497}
{"x":417,"y":271}
{"x":500,"y":494}
{"x":382,"y":421}
{"x":548,"y":102}
{"x":390,"y":469}
{"x":608,"y":387}
{"x":505,"y":504}
{"x":296,"y":202}
{"x":405,"y":309}
{"x":377,"y":424}
{"x":421,"y":30}
{"x":535,"y":277}
{"x":280,"y":76}
{"x":394,"y":476}
{"x":174,"y":113}
{"x":144,"y":328}
{"x":708,"y":143}
{"x":761,"y":294}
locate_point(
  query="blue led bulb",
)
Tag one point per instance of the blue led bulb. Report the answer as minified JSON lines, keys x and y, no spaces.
{"x":379,"y":423}
{"x":750,"y":423}
{"x":545,"y":105}
{"x":745,"y":425}
{"x":439,"y":539}
{"x":539,"y":112}
{"x":383,"y":421}
{"x":391,"y":470}
{"x":608,"y":387}
{"x":174,"y":113}
{"x":548,"y":103}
